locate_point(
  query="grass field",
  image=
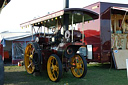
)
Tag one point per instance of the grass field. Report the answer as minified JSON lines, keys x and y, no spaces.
{"x":98,"y":74}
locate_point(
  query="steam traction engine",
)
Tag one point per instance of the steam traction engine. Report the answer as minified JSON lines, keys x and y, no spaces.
{"x":57,"y":48}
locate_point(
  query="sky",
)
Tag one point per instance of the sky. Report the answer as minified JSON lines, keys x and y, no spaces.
{"x":20,"y":11}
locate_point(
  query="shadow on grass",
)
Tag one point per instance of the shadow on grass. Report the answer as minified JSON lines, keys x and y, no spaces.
{"x":23,"y":78}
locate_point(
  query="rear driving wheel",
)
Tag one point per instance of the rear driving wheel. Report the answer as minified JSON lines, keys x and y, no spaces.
{"x":30,"y":58}
{"x":54,"y":68}
{"x":79,"y":66}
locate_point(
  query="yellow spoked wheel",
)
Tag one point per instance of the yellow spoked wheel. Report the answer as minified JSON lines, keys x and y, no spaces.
{"x":54,"y":68}
{"x":79,"y":66}
{"x":28,"y":58}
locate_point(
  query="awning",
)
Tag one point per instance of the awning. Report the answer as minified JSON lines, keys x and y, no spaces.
{"x":119,"y":10}
{"x":50,"y":19}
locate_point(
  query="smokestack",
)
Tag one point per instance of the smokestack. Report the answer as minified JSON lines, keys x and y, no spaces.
{"x":66,"y":4}
{"x":66,"y":16}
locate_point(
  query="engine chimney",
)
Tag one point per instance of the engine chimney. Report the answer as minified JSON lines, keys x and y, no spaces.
{"x":66,"y":16}
{"x":66,"y":4}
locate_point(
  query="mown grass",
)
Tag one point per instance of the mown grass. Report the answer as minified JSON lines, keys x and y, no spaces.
{"x":98,"y":74}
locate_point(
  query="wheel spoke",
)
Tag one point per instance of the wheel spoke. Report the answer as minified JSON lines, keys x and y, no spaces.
{"x":81,"y":62}
{"x":82,"y":68}
{"x":57,"y":69}
{"x":29,"y":65}
{"x":32,"y":67}
{"x":52,"y":61}
{"x":79,"y":71}
{"x":54,"y":74}
{"x":33,"y":51}
{"x":81,"y":65}
{"x":57,"y":72}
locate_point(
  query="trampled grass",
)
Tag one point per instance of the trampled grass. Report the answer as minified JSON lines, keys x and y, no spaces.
{"x":98,"y":74}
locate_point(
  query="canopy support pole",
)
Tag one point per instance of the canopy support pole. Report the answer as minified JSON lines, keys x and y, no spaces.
{"x":83,"y":29}
{"x":72,"y":26}
{"x":57,"y":28}
{"x":32,"y":32}
{"x":40,"y":30}
{"x":44,"y":29}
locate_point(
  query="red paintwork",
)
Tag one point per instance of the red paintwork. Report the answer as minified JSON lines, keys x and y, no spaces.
{"x":16,"y":61}
{"x":92,"y":35}
{"x":1,"y":51}
{"x":61,"y":47}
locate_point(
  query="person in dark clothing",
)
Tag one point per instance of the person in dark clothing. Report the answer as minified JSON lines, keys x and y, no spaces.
{"x":58,"y":35}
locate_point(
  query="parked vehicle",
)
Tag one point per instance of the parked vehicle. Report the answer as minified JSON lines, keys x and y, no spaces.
{"x":1,"y":71}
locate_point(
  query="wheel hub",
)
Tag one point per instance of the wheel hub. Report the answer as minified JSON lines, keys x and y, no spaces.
{"x":31,"y":57}
{"x":78,"y":65}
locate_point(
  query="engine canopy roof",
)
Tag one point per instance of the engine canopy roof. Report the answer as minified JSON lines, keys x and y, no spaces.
{"x":50,"y":19}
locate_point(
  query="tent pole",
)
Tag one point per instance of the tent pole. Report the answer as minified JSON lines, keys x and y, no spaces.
{"x":123,"y":20}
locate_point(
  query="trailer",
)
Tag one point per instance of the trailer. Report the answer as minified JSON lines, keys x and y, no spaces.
{"x":107,"y":36}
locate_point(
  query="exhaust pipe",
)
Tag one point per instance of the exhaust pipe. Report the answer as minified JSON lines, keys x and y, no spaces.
{"x":66,"y":4}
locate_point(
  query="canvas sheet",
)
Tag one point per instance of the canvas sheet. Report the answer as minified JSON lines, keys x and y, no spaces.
{"x":119,"y":57}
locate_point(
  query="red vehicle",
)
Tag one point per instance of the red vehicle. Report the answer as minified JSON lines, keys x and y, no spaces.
{"x":58,"y":49}
{"x":106,"y":37}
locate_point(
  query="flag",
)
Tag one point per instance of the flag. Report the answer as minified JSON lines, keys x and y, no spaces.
{"x":3,"y":42}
